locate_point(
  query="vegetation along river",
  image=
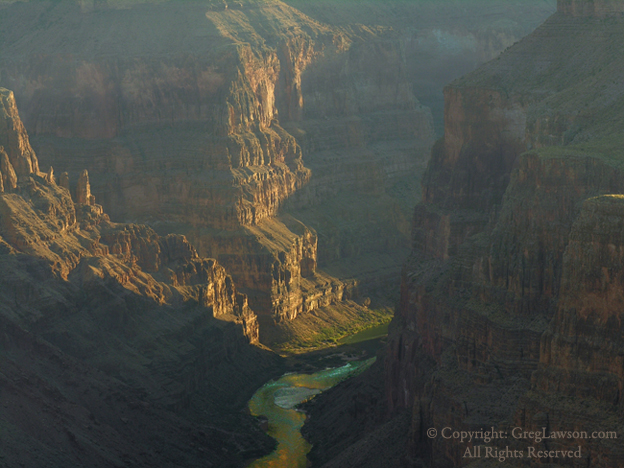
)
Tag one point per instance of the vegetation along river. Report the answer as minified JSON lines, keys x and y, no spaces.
{"x":277,"y":400}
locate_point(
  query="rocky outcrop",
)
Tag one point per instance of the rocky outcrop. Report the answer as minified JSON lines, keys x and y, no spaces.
{"x":82,"y":245}
{"x":9,"y":178}
{"x":217,"y":157}
{"x":64,"y":180}
{"x":194,"y":144}
{"x":13,"y":137}
{"x":83,"y":190}
{"x":275,"y":264}
{"x":211,"y":140}
{"x":578,"y":383}
{"x":108,"y":327}
{"x":227,"y":153}
{"x":584,"y":336}
{"x":506,"y":297}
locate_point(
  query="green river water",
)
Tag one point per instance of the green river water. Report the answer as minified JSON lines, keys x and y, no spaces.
{"x":277,"y":399}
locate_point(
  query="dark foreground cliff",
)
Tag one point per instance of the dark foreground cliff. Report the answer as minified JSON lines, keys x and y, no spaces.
{"x":118,"y":347}
{"x":511,"y":299}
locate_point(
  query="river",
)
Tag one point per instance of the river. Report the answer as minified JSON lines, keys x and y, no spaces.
{"x":277,"y":399}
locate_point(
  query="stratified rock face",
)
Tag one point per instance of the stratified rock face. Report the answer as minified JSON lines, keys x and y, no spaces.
{"x":201,"y":124}
{"x":40,"y":220}
{"x":9,"y":177}
{"x":83,"y":190}
{"x":109,"y":325}
{"x":199,"y":99}
{"x":585,"y":336}
{"x":469,"y":169}
{"x":13,"y":137}
{"x":579,"y":381}
{"x":275,"y":264}
{"x":595,"y":8}
{"x":510,"y":301}
{"x":183,"y":128}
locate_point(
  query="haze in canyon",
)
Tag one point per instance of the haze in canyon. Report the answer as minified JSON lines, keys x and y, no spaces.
{"x":199,"y":196}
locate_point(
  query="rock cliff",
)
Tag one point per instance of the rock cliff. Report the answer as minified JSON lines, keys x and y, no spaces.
{"x":510,"y":298}
{"x":186,"y":129}
{"x":196,"y":119}
{"x":491,"y":283}
{"x":18,"y":157}
{"x":216,"y":155}
{"x":227,"y":153}
{"x":438,"y":44}
{"x":108,"y":328}
{"x":598,"y":9}
{"x":365,"y":133}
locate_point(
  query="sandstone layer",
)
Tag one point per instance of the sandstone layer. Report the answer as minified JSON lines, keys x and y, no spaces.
{"x":194,"y":120}
{"x":184,"y":116}
{"x":119,"y":347}
{"x":183,"y":130}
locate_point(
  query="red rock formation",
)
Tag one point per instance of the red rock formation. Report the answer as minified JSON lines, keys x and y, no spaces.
{"x":198,"y":143}
{"x":579,"y":381}
{"x":9,"y":178}
{"x":13,"y":137}
{"x":108,"y":325}
{"x":83,"y":190}
{"x":498,"y":292}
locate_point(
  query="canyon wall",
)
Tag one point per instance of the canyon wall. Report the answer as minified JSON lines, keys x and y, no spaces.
{"x":107,"y":328}
{"x":180,"y":129}
{"x":367,"y":136}
{"x":438,"y":44}
{"x":220,"y":98}
{"x":503,"y":287}
{"x":509,"y":312}
{"x":596,"y":8}
{"x":199,"y":130}
{"x":196,"y":120}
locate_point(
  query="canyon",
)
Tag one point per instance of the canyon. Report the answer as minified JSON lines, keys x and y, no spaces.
{"x":186,"y":183}
{"x":200,"y":129}
{"x":511,"y":298}
{"x":112,"y":336}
